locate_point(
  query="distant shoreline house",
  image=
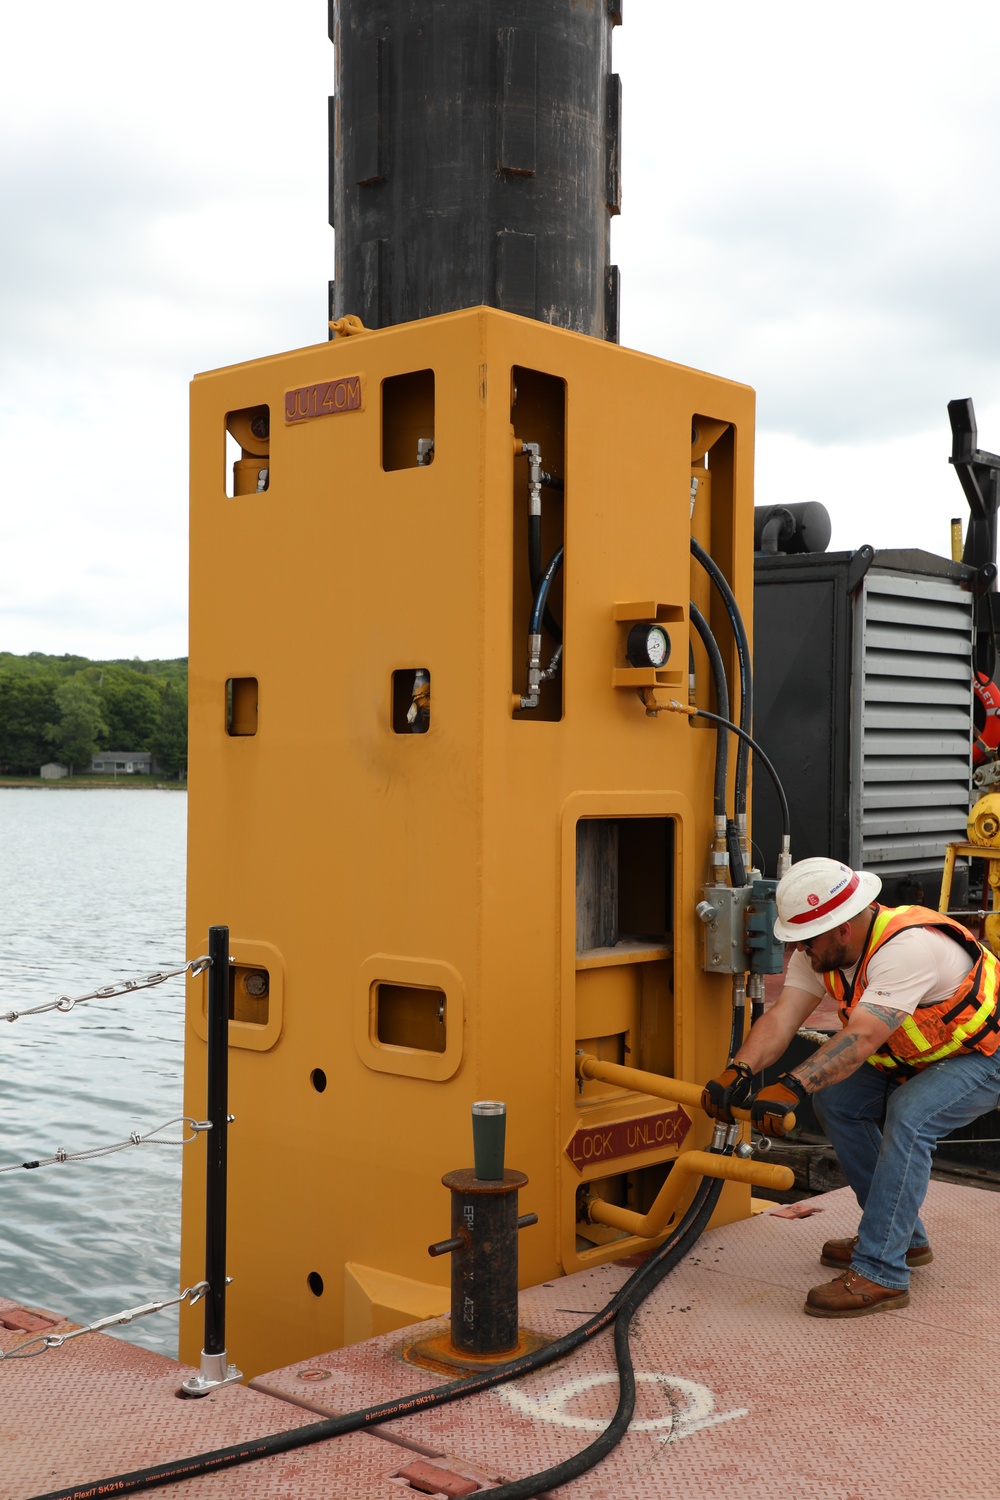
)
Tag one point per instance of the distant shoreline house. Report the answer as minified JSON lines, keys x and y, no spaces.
{"x":125,"y":762}
{"x":53,"y":771}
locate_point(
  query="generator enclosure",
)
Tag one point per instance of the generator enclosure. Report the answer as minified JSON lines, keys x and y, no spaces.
{"x":435,"y":895}
{"x":863,"y":700}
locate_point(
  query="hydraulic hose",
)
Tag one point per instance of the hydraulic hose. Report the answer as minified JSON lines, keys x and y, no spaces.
{"x":722,"y":699}
{"x":621,"y":1307}
{"x":542,"y":592}
{"x":703,"y":713}
{"x":737,"y":1029}
{"x":695,"y":1221}
{"x":535,"y":574}
{"x":717,"y":576}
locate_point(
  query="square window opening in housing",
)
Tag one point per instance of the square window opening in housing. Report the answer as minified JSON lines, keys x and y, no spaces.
{"x":241,"y":705}
{"x":411,"y":700}
{"x":408,"y":420}
{"x":624,"y":881}
{"x":249,"y":989}
{"x":412,"y":1016}
{"x":248,"y":447}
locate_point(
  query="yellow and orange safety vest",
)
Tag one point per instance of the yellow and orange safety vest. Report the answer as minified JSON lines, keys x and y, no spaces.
{"x":968,"y":1021}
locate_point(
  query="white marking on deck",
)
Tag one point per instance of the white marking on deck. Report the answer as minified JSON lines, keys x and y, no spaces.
{"x":692,"y":1406}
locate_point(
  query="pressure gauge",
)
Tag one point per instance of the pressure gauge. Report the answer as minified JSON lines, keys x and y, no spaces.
{"x":648,"y":646}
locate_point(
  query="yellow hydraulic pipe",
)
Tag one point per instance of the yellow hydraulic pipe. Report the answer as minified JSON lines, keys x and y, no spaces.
{"x":688,"y":1094}
{"x":944,"y":900}
{"x":689,"y":1164}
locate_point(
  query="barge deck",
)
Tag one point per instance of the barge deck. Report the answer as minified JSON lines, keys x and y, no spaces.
{"x":741,"y":1397}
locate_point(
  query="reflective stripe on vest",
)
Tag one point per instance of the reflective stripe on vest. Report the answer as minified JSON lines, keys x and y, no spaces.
{"x":968,"y":1020}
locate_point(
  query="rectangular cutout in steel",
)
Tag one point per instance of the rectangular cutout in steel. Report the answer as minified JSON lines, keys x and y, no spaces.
{"x":247,"y":451}
{"x":538,"y":416}
{"x":249,"y":991}
{"x":411,"y":700}
{"x":410,"y":1015}
{"x":241,"y":705}
{"x":408,"y":420}
{"x":623,"y":880}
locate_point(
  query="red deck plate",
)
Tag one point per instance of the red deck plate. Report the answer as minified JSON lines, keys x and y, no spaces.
{"x":100,"y":1407}
{"x":740,"y":1394}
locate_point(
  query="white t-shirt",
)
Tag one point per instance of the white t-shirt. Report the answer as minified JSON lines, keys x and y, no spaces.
{"x":919,"y":966}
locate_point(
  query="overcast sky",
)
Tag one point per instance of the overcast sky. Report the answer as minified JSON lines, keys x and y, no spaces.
{"x":809,"y":206}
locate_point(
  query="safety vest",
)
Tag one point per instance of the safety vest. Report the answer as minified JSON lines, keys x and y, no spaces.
{"x":968,"y":1021}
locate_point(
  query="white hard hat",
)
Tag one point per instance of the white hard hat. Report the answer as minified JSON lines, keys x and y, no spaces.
{"x":819,"y":894}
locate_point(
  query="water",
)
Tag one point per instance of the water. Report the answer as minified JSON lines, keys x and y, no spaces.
{"x":91,"y":892}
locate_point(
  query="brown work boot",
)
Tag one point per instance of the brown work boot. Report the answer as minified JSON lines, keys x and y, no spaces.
{"x":851,"y":1296}
{"x":839,"y":1253}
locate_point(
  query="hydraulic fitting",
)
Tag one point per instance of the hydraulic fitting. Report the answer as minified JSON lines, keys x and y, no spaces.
{"x":719,"y":858}
{"x":536,"y":676}
{"x":533,"y":453}
{"x":534,"y":670}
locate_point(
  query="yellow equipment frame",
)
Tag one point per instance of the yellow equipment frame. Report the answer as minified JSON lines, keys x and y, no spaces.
{"x":403,"y":907}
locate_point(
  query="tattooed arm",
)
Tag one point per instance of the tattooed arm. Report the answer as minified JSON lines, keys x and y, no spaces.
{"x":770,"y":1036}
{"x":838,"y":1058}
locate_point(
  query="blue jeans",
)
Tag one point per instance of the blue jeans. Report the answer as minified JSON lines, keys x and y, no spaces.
{"x":884,"y":1133}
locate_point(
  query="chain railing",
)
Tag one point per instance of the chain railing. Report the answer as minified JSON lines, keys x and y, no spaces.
{"x":66,"y":1003}
{"x":215,"y":1369}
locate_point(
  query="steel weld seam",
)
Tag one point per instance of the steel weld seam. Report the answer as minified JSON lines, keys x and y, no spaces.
{"x":373,"y":1416}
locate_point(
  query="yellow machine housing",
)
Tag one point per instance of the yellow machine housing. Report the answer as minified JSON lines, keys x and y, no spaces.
{"x":418,"y":919}
{"x":983,"y":829}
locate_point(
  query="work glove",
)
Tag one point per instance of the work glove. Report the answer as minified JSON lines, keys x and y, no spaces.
{"x":769,"y":1108}
{"x":727,"y":1092}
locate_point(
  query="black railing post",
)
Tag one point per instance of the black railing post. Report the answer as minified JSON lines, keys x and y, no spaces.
{"x":215,"y":1370}
{"x":216,"y":1160}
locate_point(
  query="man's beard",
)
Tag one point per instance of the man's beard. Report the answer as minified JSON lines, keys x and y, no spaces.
{"x":838,"y":959}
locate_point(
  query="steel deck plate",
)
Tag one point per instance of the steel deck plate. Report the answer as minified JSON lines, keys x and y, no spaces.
{"x":740,"y":1394}
{"x":100,"y":1407}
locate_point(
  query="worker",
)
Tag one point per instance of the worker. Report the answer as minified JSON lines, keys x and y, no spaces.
{"x":918,"y":1056}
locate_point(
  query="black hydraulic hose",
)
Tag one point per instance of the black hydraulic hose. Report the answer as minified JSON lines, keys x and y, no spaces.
{"x":589,"y":1457}
{"x":737,"y":1028}
{"x":535,"y":574}
{"x":722,"y":699}
{"x":703,"y":713}
{"x":535,"y":552}
{"x":639,"y":1284}
{"x":737,"y":866}
{"x":746,"y":672}
{"x":542,"y":592}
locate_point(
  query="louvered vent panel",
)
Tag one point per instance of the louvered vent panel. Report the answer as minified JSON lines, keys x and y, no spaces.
{"x":914,"y":706}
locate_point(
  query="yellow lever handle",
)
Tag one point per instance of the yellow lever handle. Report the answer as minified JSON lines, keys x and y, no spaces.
{"x":674,"y":1089}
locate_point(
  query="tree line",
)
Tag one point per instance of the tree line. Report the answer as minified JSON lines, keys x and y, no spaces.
{"x":66,"y":708}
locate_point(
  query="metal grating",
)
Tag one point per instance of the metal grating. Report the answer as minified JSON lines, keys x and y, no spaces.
{"x":912,"y":721}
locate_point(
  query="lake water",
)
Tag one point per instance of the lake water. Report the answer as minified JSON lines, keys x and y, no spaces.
{"x":91,"y":892}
